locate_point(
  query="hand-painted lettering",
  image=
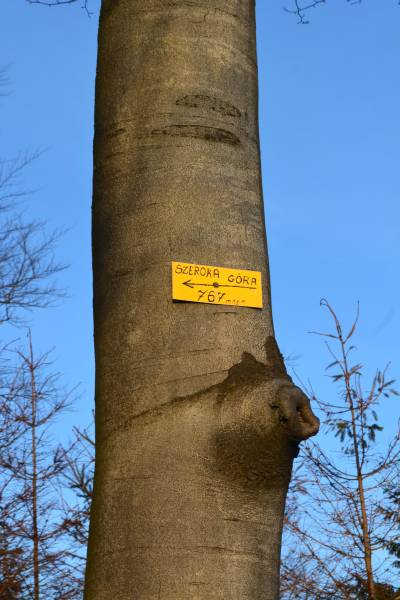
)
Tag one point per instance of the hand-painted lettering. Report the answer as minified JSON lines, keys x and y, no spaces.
{"x":216,"y":285}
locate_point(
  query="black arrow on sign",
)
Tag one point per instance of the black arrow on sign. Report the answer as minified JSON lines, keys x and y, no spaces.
{"x":191,"y":284}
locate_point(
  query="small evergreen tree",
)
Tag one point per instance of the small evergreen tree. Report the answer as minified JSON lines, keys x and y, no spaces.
{"x":341,"y":519}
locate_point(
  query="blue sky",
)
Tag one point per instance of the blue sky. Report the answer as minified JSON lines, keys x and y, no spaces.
{"x":330,"y":130}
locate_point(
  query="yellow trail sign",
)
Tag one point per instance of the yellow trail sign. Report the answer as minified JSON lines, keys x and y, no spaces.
{"x":216,"y":285}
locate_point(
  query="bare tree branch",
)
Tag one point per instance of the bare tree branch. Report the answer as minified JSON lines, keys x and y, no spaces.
{"x":300,"y":10}
{"x":85,"y":4}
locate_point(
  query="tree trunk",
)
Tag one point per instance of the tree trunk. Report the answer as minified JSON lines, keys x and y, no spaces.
{"x":34,"y":475}
{"x":197,"y":421}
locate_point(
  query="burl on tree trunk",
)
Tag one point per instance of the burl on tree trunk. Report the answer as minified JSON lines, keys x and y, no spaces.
{"x":197,"y":421}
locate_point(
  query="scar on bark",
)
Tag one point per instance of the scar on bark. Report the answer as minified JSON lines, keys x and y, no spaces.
{"x":209,"y":103}
{"x":212,"y":134}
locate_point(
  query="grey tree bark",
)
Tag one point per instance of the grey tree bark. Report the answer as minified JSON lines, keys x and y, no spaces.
{"x":197,"y":421}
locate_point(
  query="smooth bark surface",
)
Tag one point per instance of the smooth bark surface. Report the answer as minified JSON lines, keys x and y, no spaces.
{"x":197,"y":421}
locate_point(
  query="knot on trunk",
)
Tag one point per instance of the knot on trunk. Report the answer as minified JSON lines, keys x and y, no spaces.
{"x":265,"y":386}
{"x":262,"y":418}
{"x":295,"y":412}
